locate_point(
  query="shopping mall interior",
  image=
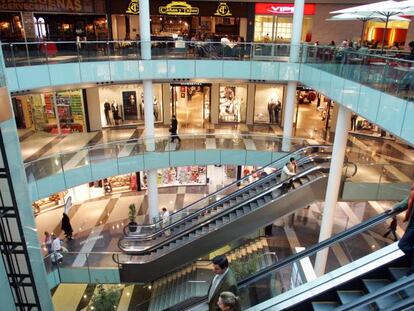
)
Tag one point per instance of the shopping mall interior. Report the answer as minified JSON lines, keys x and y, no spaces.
{"x":206,"y":155}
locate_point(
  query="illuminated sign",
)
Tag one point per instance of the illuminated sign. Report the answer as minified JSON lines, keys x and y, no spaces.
{"x":282,"y":9}
{"x":178,"y":8}
{"x":133,"y":7}
{"x":223,"y":10}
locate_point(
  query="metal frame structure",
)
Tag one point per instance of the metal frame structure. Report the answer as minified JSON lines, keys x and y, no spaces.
{"x":13,"y":247}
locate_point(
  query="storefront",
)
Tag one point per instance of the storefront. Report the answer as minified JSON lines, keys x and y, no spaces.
{"x":233,"y":103}
{"x":53,"y":20}
{"x":396,"y":33}
{"x":361,"y":126}
{"x":38,"y":112}
{"x":190,"y":103}
{"x":268,"y":104}
{"x":124,"y":104}
{"x":212,"y":176}
{"x":171,"y":19}
{"x":274,"y":22}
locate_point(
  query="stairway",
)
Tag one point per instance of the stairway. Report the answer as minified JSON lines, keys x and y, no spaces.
{"x":253,"y":207}
{"x":194,"y":280}
{"x":351,"y":291}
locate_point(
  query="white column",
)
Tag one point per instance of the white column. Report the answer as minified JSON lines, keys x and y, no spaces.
{"x":145,"y":34}
{"x":334,"y":181}
{"x":289,"y":114}
{"x":293,"y":58}
{"x":145,"y":28}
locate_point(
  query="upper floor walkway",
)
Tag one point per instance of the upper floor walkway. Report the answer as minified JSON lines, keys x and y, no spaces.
{"x":378,"y":88}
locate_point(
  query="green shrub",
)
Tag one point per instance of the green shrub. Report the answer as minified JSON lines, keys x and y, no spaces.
{"x":245,"y":268}
{"x":105,"y":299}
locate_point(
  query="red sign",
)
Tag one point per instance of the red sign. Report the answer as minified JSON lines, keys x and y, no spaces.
{"x":282,"y":8}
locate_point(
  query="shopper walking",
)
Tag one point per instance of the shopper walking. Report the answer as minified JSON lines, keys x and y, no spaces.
{"x":67,"y":227}
{"x":228,"y":302}
{"x":165,"y":217}
{"x":392,"y":229}
{"x":47,"y":241}
{"x":223,"y":281}
{"x":406,"y":243}
{"x":56,"y":249}
{"x":173,"y":129}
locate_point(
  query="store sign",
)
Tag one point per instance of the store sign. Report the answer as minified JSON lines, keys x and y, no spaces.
{"x":282,"y":9}
{"x":133,"y":7}
{"x":223,"y":10}
{"x":178,"y":8}
{"x":80,"y":6}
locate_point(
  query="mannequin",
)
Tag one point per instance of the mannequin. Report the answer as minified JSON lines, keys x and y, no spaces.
{"x":107,"y":110}
{"x":115,"y":112}
{"x":156,"y":109}
{"x":273,"y":110}
{"x":277,"y":109}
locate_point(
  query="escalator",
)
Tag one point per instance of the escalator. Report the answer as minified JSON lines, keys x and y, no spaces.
{"x":374,"y":281}
{"x":235,"y":210}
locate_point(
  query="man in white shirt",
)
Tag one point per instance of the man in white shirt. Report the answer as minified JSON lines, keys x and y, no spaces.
{"x":56,"y":249}
{"x":288,"y":171}
{"x":165,"y":216}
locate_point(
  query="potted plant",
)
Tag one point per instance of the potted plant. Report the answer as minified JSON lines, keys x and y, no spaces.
{"x":105,"y":298}
{"x":131,"y":216}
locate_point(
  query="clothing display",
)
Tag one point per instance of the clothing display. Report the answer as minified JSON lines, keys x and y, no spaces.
{"x":274,"y":106}
{"x":108,"y":113}
{"x":230,"y":105}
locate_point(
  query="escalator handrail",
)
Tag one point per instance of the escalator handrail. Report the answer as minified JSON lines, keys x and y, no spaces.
{"x":319,"y":246}
{"x":227,"y":211}
{"x":158,"y":232}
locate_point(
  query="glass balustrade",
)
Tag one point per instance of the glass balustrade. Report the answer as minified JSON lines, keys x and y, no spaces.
{"x":387,"y":71}
{"x":120,"y":152}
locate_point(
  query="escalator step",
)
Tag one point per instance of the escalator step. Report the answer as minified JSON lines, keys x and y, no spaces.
{"x":246,"y":209}
{"x":398,"y":273}
{"x":373,"y":285}
{"x":324,"y":305}
{"x":347,"y":296}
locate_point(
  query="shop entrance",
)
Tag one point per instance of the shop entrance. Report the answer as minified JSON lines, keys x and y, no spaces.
{"x":191,"y":104}
{"x":313,"y":113}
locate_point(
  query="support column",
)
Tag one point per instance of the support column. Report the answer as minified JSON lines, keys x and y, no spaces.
{"x":145,"y":33}
{"x":289,"y":115}
{"x":334,"y":182}
{"x":293,"y":58}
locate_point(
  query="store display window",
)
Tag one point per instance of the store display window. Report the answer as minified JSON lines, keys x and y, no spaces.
{"x":69,"y":106}
{"x":268,"y":28}
{"x":179,"y":176}
{"x":38,"y":112}
{"x":232,"y":104}
{"x":268,"y":104}
{"x":124,"y":104}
